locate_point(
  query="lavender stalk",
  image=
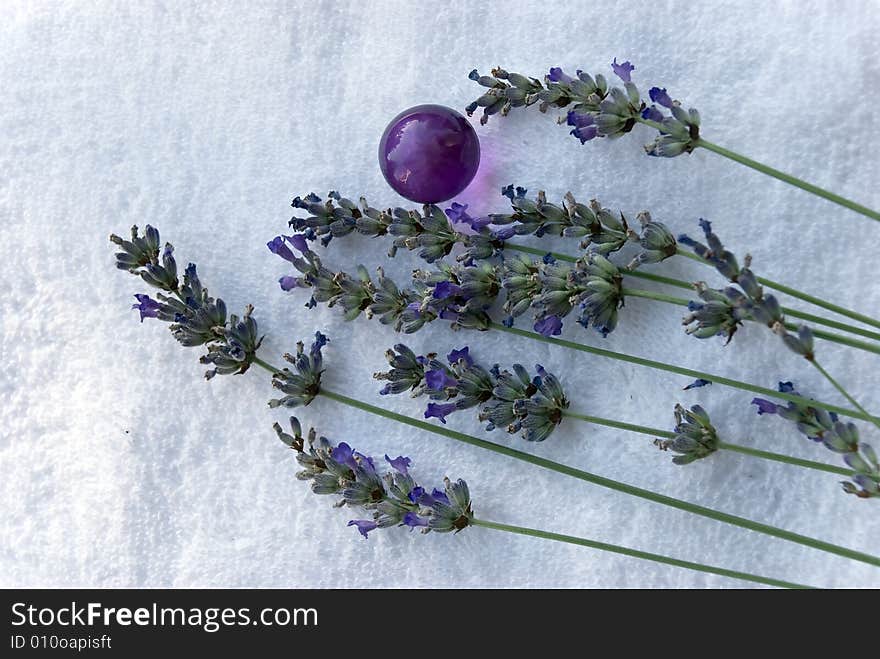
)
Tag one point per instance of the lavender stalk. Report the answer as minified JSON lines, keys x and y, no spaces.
{"x":396,"y":499}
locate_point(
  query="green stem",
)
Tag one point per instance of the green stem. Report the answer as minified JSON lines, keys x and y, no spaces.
{"x":788,"y":178}
{"x":678,"y":283}
{"x":608,"y":483}
{"x":844,"y":392}
{"x":736,"y":448}
{"x":687,"y":372}
{"x":634,"y":553}
{"x":259,"y":362}
{"x":818,"y":333}
{"x":806,"y":297}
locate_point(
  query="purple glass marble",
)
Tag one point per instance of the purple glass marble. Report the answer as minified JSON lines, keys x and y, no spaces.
{"x":429,"y":153}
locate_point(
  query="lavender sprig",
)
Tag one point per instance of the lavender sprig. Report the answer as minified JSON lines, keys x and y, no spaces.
{"x":194,"y":317}
{"x":597,"y":110}
{"x":433,"y":234}
{"x":514,"y":400}
{"x":392,"y":499}
{"x":395,"y":499}
{"x":825,"y":428}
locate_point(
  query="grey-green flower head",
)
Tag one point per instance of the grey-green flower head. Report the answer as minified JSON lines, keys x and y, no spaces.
{"x":301,"y":385}
{"x":695,"y":436}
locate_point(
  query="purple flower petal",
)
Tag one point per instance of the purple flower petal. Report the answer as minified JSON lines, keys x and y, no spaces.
{"x":412,"y":520}
{"x":660,"y":97}
{"x":364,"y":526}
{"x":288,"y":283}
{"x":460,"y":355}
{"x":549,"y":326}
{"x":299,"y":243}
{"x":699,"y":382}
{"x":445,"y":289}
{"x":558,"y":75}
{"x":344,"y":455}
{"x":765,"y":406}
{"x":438,"y":380}
{"x":439,"y":411}
{"x":277,"y":246}
{"x":399,"y":463}
{"x":148,"y":307}
{"x":622,"y":70}
{"x":651,"y":113}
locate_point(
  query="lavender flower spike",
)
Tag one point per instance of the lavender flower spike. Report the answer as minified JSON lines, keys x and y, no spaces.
{"x":825,"y":428}
{"x":392,"y":499}
{"x":595,"y":108}
{"x":514,"y":400}
{"x":194,"y":317}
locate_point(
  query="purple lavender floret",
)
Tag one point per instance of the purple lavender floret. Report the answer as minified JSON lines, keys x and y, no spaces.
{"x":622,"y":70}
{"x":147,"y":306}
{"x":549,"y":326}
{"x":558,"y":75}
{"x":660,"y":97}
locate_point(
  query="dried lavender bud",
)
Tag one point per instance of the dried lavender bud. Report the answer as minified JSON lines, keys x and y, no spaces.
{"x":824,"y":427}
{"x":238,"y":351}
{"x":301,"y":386}
{"x":723,"y":260}
{"x":720,"y":313}
{"x":514,"y":401}
{"x":695,"y":436}
{"x":724,"y":310}
{"x":656,"y":240}
{"x":427,"y":231}
{"x":194,"y":317}
{"x":392,"y":499}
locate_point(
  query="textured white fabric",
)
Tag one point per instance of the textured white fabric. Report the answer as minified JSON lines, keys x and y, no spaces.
{"x":122,"y":467}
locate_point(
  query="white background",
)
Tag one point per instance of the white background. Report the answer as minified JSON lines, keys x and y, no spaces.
{"x":122,"y":467}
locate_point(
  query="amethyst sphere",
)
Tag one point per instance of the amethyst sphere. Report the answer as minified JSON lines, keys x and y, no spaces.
{"x":429,"y":153}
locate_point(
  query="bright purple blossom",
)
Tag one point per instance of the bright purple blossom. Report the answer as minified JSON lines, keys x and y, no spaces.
{"x":412,"y":520}
{"x":660,"y":97}
{"x":439,"y":411}
{"x":584,"y":126}
{"x":459,"y":215}
{"x":622,"y":70}
{"x":765,"y":406}
{"x":288,"y":283}
{"x":696,"y":384}
{"x":299,"y":243}
{"x":400,"y":463}
{"x":445,"y":289}
{"x":364,"y":526}
{"x":148,"y":307}
{"x":344,"y":455}
{"x":651,"y":113}
{"x":438,"y":380}
{"x":277,"y":246}
{"x":558,"y":75}
{"x":460,"y":355}
{"x":549,"y":326}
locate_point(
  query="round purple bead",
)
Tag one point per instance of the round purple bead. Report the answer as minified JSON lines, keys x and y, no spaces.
{"x":429,"y":153}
